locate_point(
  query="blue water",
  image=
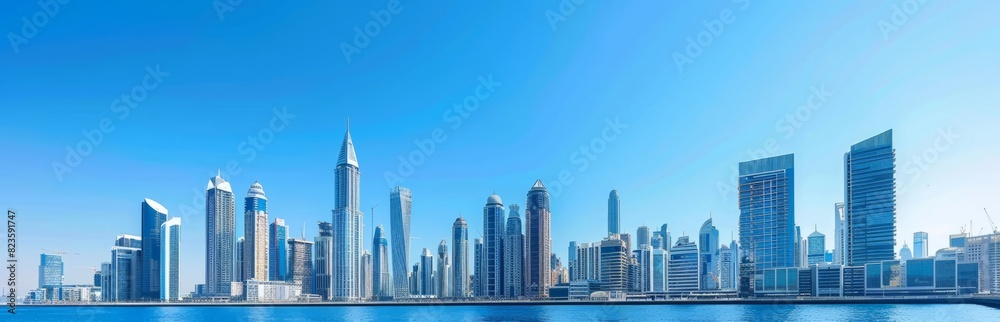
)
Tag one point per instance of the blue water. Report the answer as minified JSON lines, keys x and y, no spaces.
{"x":778,"y":312}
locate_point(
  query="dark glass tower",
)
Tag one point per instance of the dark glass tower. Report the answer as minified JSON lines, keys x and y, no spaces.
{"x":870,"y":200}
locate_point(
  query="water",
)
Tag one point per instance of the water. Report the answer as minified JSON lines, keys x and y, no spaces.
{"x":763,"y":312}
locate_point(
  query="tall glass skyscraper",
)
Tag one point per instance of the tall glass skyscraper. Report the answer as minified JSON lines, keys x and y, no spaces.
{"x":460,"y":258}
{"x":153,"y":216}
{"x":381,"y":279}
{"x":538,"y":242}
{"x":400,"y":207}
{"x":767,"y":215}
{"x":708,"y":256}
{"x":667,"y":239}
{"x":255,"y":234}
{"x":323,"y":262}
{"x":513,"y":253}
{"x":238,"y":274}
{"x":817,"y":248}
{"x":493,"y":232}
{"x":170,"y":252}
{"x":870,"y":200}
{"x":366,"y":275}
{"x":477,"y":267}
{"x":124,"y":279}
{"x":920,"y":246}
{"x":300,"y":263}
{"x":642,"y":237}
{"x":426,"y":272}
{"x":348,"y":225}
{"x":50,"y":272}
{"x":572,"y":256}
{"x":614,"y":213}
{"x":839,"y":234}
{"x":726,"y":272}
{"x":220,"y":235}
{"x":279,"y":251}
{"x":443,"y":289}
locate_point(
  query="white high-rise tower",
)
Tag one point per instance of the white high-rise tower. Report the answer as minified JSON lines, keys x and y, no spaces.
{"x":348,"y":225}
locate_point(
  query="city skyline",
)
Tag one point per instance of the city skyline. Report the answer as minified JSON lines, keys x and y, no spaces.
{"x":666,"y":136}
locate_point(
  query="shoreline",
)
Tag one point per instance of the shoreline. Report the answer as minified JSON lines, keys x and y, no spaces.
{"x":993,"y":302}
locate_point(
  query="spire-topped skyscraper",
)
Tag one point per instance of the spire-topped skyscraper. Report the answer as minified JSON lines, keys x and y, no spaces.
{"x":538,"y":243}
{"x":348,"y":224}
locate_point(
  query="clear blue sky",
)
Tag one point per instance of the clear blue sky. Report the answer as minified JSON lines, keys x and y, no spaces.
{"x":562,"y":77}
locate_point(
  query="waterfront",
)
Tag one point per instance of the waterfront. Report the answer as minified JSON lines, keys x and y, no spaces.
{"x":694,"y":312}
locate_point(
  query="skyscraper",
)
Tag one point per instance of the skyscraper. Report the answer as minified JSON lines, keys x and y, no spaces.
{"x":50,"y":274}
{"x":572,"y":255}
{"x":708,"y":256}
{"x":839,"y":234}
{"x":460,"y":258}
{"x":443,"y":289}
{"x":125,"y":240}
{"x":153,"y":216}
{"x":767,"y":215}
{"x":537,"y":242}
{"x":659,"y":267}
{"x":920,"y":246}
{"x":734,"y":248}
{"x":667,"y":240}
{"x":817,"y":248}
{"x":726,"y":268}
{"x":106,"y":281}
{"x":870,"y":200}
{"x":381,"y":278}
{"x":614,"y":212}
{"x":905,"y":254}
{"x":614,"y":261}
{"x":400,"y":206}
{"x":348,"y":224}
{"x":124,"y":281}
{"x":238,"y":274}
{"x":682,"y":276}
{"x":366,"y":275}
{"x":300,"y":263}
{"x":170,"y":252}
{"x":513,"y":253}
{"x":323,"y":262}
{"x":644,"y":256}
{"x":798,"y":247}
{"x":478,"y":268}
{"x":426,"y":273}
{"x":642,"y":236}
{"x":220,"y":232}
{"x":493,"y":233}
{"x":278,"y":269}
{"x":255,"y":235}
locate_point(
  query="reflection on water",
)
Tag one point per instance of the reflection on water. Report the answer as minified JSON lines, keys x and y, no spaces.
{"x":575,"y":313}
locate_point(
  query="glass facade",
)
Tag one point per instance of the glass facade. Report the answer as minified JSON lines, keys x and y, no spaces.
{"x":920,"y":272}
{"x":767,"y":214}
{"x":170,"y":263}
{"x":153,"y":217}
{"x":220,"y":234}
{"x":968,"y":277}
{"x":873,"y":275}
{"x":614,"y":213}
{"x":816,"y":248}
{"x":400,"y":208}
{"x":870,"y":200}
{"x":891,"y":274}
{"x":279,"y":251}
{"x":944,"y":273}
{"x":460,"y":258}
{"x":708,"y":256}
{"x":920,"y":247}
{"x":494,"y":229}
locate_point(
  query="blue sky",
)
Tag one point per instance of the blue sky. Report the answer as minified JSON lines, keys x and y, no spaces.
{"x":586,"y":97}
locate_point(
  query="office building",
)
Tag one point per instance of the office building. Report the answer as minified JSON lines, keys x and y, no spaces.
{"x":644,"y":259}
{"x":153,"y":216}
{"x":816,"y":248}
{"x":839,"y":234}
{"x":588,"y":262}
{"x":494,"y":229}
{"x":106,"y":276}
{"x":571,"y":255}
{"x":799,"y":259}
{"x":870,"y":200}
{"x":348,"y":225}
{"x":427,"y":273}
{"x":460,"y":258}
{"x":767,"y":216}
{"x":708,"y":256}
{"x":125,"y":271}
{"x":957,"y":240}
{"x":920,"y":246}
{"x":400,"y":208}
{"x":125,"y":240}
{"x":614,"y":264}
{"x":478,"y":267}
{"x":170,"y":256}
{"x":727,"y":271}
{"x":50,"y":271}
{"x":614,"y":213}
{"x":984,"y":250}
{"x":323,"y":262}
{"x":257,"y":291}
{"x":278,"y":251}
{"x":366,"y":275}
{"x":255,"y":234}
{"x":513,"y":275}
{"x":668,"y":241}
{"x":538,"y":241}
{"x":300,"y":264}
{"x":238,"y":274}
{"x":659,"y":268}
{"x":220,"y":232}
{"x":683,"y":268}
{"x":381,"y":277}
{"x":642,"y":236}
{"x":442,"y":278}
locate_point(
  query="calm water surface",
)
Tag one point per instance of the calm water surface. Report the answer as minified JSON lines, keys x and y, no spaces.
{"x":781,"y":312}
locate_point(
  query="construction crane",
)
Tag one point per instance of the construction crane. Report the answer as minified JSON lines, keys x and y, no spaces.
{"x":992,"y":225}
{"x":58,"y":252}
